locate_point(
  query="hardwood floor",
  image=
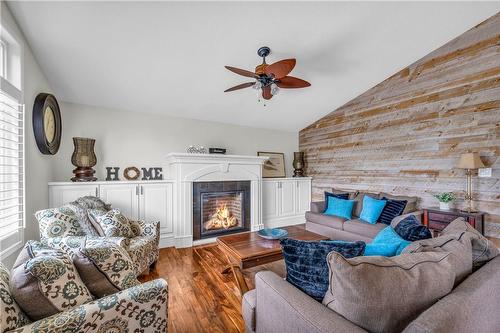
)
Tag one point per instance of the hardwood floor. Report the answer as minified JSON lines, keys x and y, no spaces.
{"x":201,"y":299}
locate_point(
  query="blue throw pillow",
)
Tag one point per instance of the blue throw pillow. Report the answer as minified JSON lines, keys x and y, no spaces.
{"x":306,"y":266}
{"x":382,"y":249}
{"x":328,"y":195}
{"x":372,"y":208}
{"x":392,"y":209}
{"x":340,"y":207}
{"x":389,"y":236}
{"x":410,"y":229}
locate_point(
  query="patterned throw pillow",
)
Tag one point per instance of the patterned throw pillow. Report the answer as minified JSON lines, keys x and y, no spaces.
{"x":58,"y":222}
{"x":306,"y":266}
{"x":89,"y":202}
{"x":11,"y":315}
{"x":47,"y":283}
{"x":392,"y":209}
{"x":411,"y":230}
{"x":111,"y":223}
{"x":105,"y":267}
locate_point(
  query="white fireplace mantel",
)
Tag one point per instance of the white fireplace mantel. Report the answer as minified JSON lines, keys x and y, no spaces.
{"x":186,"y":168}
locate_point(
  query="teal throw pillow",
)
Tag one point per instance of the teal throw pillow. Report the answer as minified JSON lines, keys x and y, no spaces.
{"x":340,"y":207}
{"x":372,"y":208}
{"x":382,"y":249}
{"x":389,"y":236}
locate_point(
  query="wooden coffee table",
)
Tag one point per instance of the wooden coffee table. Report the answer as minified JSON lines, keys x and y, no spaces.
{"x":248,"y":249}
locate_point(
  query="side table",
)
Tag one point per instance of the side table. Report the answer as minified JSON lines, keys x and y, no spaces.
{"x":437,"y":219}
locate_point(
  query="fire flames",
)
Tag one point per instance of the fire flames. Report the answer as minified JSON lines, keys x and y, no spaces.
{"x":222,"y":218}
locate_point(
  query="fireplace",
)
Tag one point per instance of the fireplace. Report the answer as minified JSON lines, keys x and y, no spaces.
{"x":221,"y":207}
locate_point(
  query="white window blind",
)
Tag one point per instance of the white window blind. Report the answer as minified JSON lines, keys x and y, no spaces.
{"x":11,"y":170}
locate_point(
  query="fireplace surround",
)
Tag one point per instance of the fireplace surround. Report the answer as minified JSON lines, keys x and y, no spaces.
{"x":220,"y":207}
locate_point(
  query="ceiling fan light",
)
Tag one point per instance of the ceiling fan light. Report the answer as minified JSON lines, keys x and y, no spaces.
{"x":274,"y":89}
{"x":257,"y":85}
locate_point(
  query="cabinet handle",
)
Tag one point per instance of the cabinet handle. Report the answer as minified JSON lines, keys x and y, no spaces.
{"x":137,"y":190}
{"x":97,"y":192}
{"x":142,"y":190}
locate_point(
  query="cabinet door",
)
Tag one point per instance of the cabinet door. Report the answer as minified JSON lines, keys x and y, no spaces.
{"x":124,"y":197}
{"x":269,"y":199}
{"x":287,"y":197}
{"x":303,"y":196}
{"x":60,"y":195}
{"x":156,"y":204}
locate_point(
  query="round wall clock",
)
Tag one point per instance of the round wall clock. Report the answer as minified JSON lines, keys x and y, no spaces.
{"x":47,"y":124}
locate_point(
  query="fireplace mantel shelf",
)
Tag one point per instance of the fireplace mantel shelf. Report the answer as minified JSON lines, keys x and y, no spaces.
{"x":214,"y":158}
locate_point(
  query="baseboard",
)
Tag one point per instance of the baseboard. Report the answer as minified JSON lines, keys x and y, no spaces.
{"x":205,"y":241}
{"x":166,"y":241}
{"x":184,"y":241}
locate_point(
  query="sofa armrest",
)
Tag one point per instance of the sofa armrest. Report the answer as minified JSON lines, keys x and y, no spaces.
{"x":418,"y":214}
{"x":70,"y":243}
{"x":317,"y":206}
{"x":149,"y":229}
{"x":142,"y":308}
{"x":283,"y":308}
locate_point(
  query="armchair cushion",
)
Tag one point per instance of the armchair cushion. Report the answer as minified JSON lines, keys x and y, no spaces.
{"x":11,"y":315}
{"x":142,"y":308}
{"x":111,"y":223}
{"x":47,"y":282}
{"x":58,"y":222}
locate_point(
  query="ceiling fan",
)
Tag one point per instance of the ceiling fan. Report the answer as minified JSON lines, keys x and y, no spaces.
{"x":269,"y":78}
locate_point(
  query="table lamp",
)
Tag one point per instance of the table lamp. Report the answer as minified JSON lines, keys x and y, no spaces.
{"x":469,"y":161}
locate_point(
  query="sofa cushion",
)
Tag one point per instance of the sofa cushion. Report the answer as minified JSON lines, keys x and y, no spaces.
{"x":411,"y":230}
{"x":58,"y":222}
{"x":392,"y":209}
{"x":11,"y":315}
{"x":458,"y":245}
{"x":339,"y":207}
{"x":47,"y":283}
{"x":328,"y":195}
{"x":359,"y":197}
{"x":363,"y":228}
{"x":326,"y":220}
{"x":111,"y":223}
{"x":372,"y":208}
{"x":362,"y":289}
{"x":411,"y":202}
{"x":306,"y":266}
{"x":483,"y":250}
{"x":105,"y":267}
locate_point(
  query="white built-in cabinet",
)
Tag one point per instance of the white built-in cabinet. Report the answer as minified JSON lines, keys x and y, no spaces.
{"x":285,"y":200}
{"x":147,"y":200}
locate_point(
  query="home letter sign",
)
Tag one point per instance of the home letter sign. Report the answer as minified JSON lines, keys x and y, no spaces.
{"x":133,"y":173}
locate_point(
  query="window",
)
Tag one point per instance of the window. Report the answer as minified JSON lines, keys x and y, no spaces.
{"x":11,"y":147}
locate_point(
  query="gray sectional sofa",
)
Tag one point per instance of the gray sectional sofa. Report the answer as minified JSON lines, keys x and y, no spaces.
{"x":355,"y":229}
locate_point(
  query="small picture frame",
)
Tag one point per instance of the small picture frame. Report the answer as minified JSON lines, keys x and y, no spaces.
{"x":274,"y":167}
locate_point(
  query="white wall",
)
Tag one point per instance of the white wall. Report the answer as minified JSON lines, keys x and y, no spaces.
{"x":38,"y":167}
{"x":138,"y":139}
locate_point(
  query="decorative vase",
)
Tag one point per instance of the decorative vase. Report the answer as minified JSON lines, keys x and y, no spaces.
{"x":444,"y":205}
{"x":84,"y":159}
{"x":298,"y":164}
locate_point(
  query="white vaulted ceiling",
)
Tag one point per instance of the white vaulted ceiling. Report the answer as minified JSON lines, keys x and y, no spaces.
{"x":169,"y":57}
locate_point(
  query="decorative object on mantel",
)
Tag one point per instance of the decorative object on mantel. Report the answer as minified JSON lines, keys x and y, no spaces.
{"x":298,"y":164}
{"x":469,"y":161}
{"x":217,"y":151}
{"x":47,"y":124}
{"x":152,"y":173}
{"x":444,"y":200}
{"x":195,"y":149}
{"x":276,"y":233}
{"x":274,"y":167}
{"x":84,"y":159}
{"x":269,"y":78}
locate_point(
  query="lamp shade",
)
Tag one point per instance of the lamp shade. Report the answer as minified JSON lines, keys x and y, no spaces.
{"x":470,"y":161}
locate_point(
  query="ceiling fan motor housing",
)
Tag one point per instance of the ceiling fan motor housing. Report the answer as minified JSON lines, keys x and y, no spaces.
{"x":264,"y":51}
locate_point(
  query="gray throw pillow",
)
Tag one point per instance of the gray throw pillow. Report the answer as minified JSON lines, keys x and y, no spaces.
{"x":47,"y":283}
{"x":385,"y":294}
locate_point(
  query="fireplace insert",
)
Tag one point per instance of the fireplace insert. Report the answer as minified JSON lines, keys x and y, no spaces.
{"x":221,"y":207}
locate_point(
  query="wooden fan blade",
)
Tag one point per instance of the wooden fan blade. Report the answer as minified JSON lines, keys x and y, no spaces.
{"x":266,"y":92}
{"x":289,"y":82}
{"x":240,"y":86}
{"x":281,"y":68}
{"x":241,"y":72}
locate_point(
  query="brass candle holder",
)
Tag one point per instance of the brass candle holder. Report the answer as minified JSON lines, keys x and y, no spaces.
{"x":84,"y":159}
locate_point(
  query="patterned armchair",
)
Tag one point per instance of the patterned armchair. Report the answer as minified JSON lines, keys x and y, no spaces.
{"x":143,"y":248}
{"x":142,"y":308}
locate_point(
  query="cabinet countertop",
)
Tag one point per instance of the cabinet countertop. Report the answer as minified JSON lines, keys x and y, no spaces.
{"x":111,"y":182}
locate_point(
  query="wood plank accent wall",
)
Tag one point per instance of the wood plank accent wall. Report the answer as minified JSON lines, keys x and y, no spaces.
{"x":405,"y":135}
